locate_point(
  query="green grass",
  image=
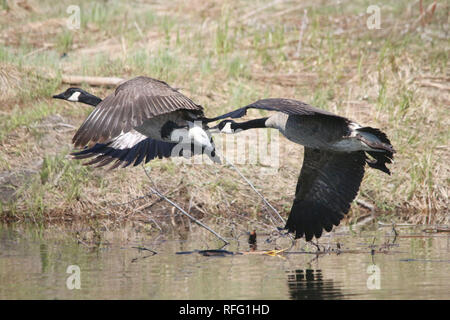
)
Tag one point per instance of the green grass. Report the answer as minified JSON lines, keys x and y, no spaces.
{"x":223,"y":60}
{"x":65,"y":41}
{"x":20,"y":117}
{"x":69,"y":176}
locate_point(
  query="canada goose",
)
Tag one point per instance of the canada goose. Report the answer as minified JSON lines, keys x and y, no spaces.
{"x":143,"y":118}
{"x":333,"y":167}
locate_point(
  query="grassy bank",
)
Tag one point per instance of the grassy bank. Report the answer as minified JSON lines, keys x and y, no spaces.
{"x":222,"y":55}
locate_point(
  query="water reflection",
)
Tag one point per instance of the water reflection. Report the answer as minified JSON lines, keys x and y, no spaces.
{"x":33,"y":265}
{"x":309,"y":284}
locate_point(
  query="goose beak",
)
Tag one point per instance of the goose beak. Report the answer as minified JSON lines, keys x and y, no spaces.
{"x":222,"y":129}
{"x":58,"y":96}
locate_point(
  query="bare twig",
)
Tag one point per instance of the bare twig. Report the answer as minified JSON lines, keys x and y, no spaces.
{"x":139,"y":30}
{"x":45,"y":47}
{"x":425,"y":15}
{"x":302,"y":30}
{"x":259,"y":9}
{"x":53,"y":125}
{"x":383,"y":224}
{"x":145,"y":249}
{"x":365,"y":204}
{"x":365,"y":221}
{"x":254,"y":189}
{"x":159,"y":194}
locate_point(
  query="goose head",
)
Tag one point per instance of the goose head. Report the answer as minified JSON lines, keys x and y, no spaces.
{"x":227,"y":126}
{"x":78,"y":95}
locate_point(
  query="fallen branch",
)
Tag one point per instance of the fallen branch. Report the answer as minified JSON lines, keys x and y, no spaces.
{"x":440,"y":86}
{"x":365,"y":204}
{"x":92,"y":81}
{"x":53,"y":125}
{"x":383,"y":224}
{"x":436,"y":229}
{"x":368,"y":220}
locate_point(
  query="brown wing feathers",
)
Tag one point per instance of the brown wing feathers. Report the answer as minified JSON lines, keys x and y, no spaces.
{"x":289,"y":106}
{"x":132,"y":102}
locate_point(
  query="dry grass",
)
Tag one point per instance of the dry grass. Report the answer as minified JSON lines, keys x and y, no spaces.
{"x":223,"y":55}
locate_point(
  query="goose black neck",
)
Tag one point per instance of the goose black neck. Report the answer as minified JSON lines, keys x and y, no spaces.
{"x":252,"y":124}
{"x":89,"y":99}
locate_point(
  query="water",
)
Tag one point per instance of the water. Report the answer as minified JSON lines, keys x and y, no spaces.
{"x":34,"y":264}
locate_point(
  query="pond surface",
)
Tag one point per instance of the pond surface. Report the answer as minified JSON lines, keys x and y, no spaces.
{"x":35,"y":265}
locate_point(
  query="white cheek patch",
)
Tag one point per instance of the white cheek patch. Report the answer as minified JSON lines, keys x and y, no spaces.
{"x":74,"y":96}
{"x":227,"y":128}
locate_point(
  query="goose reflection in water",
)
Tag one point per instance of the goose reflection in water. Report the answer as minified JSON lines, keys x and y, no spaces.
{"x":309,"y":284}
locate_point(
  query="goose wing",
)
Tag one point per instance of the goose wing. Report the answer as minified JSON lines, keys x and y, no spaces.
{"x":289,"y":106}
{"x":126,"y":149}
{"x":328,"y":183}
{"x":134,"y":148}
{"x":129,"y":106}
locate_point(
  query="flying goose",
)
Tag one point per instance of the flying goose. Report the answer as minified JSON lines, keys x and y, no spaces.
{"x":336,"y":151}
{"x":143,"y":118}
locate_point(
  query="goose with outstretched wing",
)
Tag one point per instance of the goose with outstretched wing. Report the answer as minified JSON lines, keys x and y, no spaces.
{"x":336,"y":152}
{"x":143,"y":119}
